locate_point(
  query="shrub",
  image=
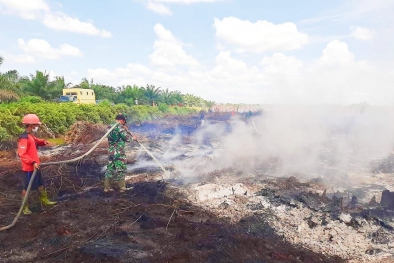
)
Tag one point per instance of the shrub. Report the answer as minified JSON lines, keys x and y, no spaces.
{"x":11,"y":124}
{"x":163,"y":107}
{"x":3,"y":134}
{"x":31,"y":99}
{"x":60,"y":116}
{"x":105,"y":102}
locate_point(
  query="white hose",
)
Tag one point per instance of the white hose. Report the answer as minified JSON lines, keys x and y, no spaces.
{"x":151,"y":155}
{"x":154,"y":158}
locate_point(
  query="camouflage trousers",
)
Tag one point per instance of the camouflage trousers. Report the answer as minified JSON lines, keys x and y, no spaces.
{"x":116,"y":169}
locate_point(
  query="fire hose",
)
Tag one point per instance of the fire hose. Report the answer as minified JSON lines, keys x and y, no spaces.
{"x":68,"y":161}
{"x":151,"y":155}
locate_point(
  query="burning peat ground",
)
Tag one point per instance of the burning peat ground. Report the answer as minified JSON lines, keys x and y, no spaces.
{"x":331,"y":207}
{"x":224,"y":200}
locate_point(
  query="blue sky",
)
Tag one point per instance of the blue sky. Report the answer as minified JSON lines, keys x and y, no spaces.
{"x":238,"y":51}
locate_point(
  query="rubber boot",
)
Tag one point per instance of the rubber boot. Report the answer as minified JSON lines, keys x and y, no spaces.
{"x":44,"y":198}
{"x":107,"y":185}
{"x":122,"y":185}
{"x":26,"y":210}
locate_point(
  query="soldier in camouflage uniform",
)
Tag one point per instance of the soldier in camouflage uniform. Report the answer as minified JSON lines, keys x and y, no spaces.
{"x":116,"y":168}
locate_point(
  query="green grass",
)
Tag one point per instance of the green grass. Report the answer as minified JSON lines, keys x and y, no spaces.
{"x":57,"y":141}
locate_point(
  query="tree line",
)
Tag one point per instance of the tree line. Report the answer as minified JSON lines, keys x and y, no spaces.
{"x":14,"y":87}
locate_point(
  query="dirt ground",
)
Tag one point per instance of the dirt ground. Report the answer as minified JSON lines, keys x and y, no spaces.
{"x":146,"y":224}
{"x":152,"y":222}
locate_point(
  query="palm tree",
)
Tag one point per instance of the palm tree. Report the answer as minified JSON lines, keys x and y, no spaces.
{"x":177,"y":95}
{"x":37,"y":85}
{"x":210,"y":103}
{"x":152,"y":93}
{"x":1,"y":60}
{"x":192,"y":101}
{"x":171,"y":97}
{"x":40,"y":85}
{"x":167,"y":97}
{"x":55,"y":87}
{"x":84,"y":84}
{"x":130,"y":94}
{"x":12,"y":75}
{"x":103,"y":92}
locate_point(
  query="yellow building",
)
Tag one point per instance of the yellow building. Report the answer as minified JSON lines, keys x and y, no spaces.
{"x":80,"y":96}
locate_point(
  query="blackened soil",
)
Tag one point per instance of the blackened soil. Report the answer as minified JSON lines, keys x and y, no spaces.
{"x":150,"y":223}
{"x":145,"y":224}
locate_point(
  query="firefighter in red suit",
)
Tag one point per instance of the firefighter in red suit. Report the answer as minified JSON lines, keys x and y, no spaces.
{"x":27,"y":151}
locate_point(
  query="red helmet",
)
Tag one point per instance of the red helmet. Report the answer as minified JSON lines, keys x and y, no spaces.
{"x":31,"y":119}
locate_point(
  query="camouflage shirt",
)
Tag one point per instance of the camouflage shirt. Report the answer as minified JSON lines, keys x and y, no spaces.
{"x":117,"y":139}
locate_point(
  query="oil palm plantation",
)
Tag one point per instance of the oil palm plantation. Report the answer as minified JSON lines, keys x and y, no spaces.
{"x":152,"y":93}
{"x":193,"y":101}
{"x":129,"y":94}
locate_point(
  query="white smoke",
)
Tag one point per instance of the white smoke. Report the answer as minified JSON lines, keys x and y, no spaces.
{"x":305,"y":141}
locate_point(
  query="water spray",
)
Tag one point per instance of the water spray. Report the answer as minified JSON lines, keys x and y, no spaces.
{"x":151,"y":155}
{"x":254,"y":125}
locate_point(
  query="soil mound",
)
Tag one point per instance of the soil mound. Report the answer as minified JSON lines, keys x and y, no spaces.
{"x":84,"y":132}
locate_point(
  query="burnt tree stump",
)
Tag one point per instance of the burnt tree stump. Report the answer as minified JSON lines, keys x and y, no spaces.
{"x":387,"y":199}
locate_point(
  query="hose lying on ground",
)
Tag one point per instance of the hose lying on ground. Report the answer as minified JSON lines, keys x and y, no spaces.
{"x":51,"y":163}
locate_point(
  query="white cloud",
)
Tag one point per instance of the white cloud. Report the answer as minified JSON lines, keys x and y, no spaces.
{"x":340,"y":79}
{"x":362,"y":33}
{"x":39,"y":10}
{"x":229,"y":80}
{"x":41,"y":48}
{"x":335,"y":53}
{"x":165,"y":35}
{"x":334,"y":78}
{"x":158,"y":8}
{"x":132,"y":74}
{"x":62,"y":22}
{"x":19,"y":59}
{"x":225,"y":63}
{"x":260,"y":36}
{"x":279,"y":62}
{"x":168,"y":51}
{"x":52,"y":75}
{"x":27,"y":9}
